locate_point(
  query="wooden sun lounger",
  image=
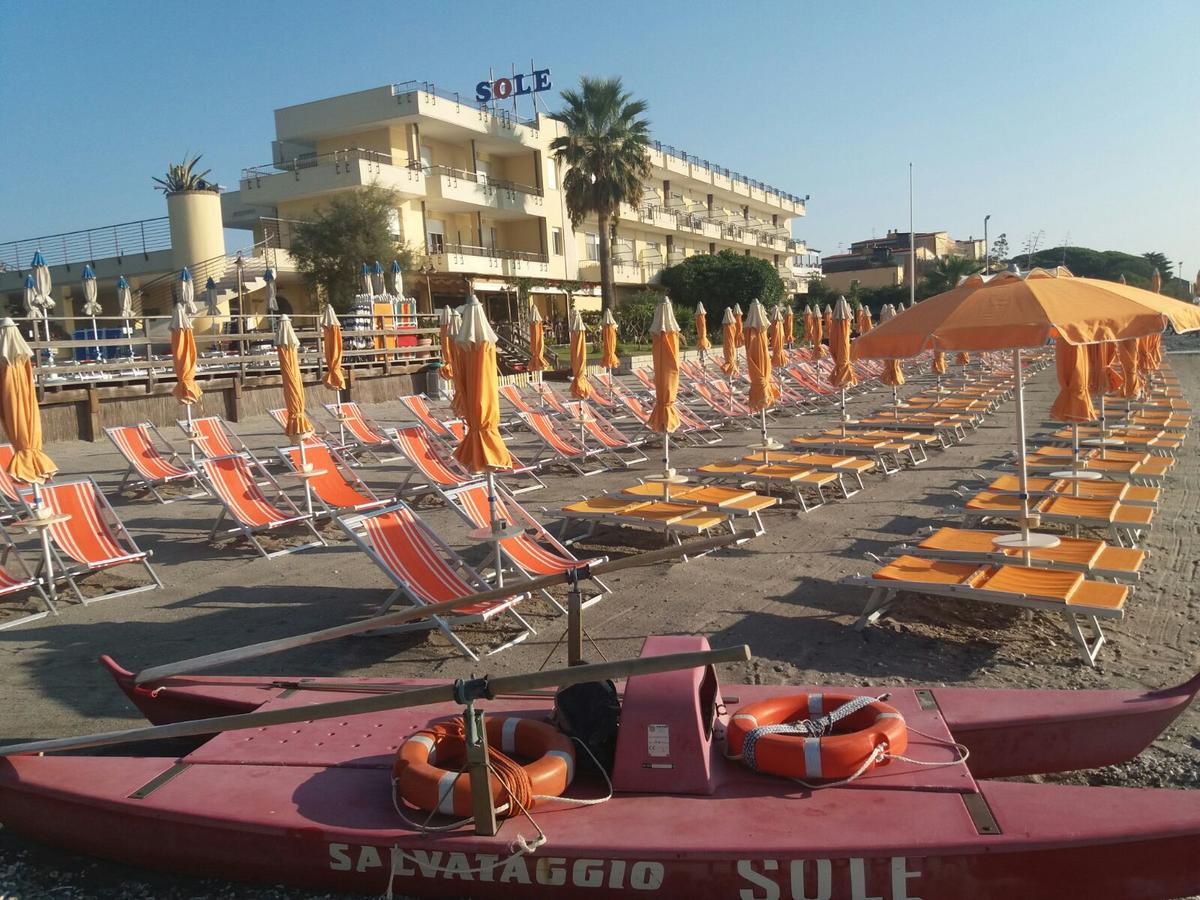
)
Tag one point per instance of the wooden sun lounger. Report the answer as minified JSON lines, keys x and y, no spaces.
{"x":672,"y":520}
{"x":735,"y":502}
{"x":1124,"y":524}
{"x":805,"y":486}
{"x":425,"y":571}
{"x":1130,"y":494}
{"x":1068,"y":594}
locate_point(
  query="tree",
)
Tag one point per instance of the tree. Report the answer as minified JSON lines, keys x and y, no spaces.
{"x":1159,"y":261}
{"x":182,"y":177}
{"x":606,"y":152}
{"x":1000,"y":250}
{"x":330,"y":250}
{"x":947,"y":272}
{"x":721,"y":280}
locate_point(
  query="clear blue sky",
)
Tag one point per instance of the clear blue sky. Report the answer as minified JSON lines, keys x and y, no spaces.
{"x":1067,"y":118}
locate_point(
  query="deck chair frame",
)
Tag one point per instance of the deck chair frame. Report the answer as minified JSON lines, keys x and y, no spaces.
{"x":137,"y":479}
{"x":345,"y":471}
{"x":25,"y":580}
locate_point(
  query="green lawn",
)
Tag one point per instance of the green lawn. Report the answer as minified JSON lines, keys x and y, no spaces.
{"x":623,"y":349}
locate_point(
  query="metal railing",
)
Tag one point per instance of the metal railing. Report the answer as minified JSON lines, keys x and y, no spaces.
{"x":143,"y":237}
{"x":403,"y":89}
{"x":484,"y":180}
{"x":338,"y":158}
{"x":491,"y":252}
{"x":693,"y":160}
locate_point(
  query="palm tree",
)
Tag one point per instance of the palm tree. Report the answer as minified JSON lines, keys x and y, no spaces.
{"x":948,"y":270}
{"x":606,"y":154}
{"x":183,"y":177}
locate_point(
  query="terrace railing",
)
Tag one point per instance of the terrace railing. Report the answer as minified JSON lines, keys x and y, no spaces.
{"x":143,"y":237}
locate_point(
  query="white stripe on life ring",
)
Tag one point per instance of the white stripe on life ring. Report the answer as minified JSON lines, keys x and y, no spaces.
{"x":812,"y":757}
{"x":566,"y":758}
{"x":816,"y":704}
{"x":445,"y":791}
{"x":748,"y":717}
{"x":508,"y":735}
{"x":888,"y":715}
{"x":427,"y":742}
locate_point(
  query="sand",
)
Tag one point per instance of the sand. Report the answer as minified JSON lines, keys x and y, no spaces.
{"x":779,"y":593}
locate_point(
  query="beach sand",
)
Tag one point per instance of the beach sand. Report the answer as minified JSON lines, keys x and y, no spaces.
{"x":778,"y":593}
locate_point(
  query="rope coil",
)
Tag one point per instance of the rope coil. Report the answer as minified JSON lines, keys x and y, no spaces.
{"x":818,"y":727}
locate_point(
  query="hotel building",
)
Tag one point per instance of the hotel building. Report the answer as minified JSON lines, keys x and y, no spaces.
{"x":886,"y":261}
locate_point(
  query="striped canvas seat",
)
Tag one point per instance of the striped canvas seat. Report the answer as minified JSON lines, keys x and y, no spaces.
{"x":135,"y":443}
{"x":243,"y":502}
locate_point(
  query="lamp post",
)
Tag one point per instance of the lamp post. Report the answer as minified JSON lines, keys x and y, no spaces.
{"x":987,"y":253}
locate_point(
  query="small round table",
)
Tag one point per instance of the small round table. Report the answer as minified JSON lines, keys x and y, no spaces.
{"x":41,"y":524}
{"x":306,"y":474}
{"x":666,"y":479}
{"x":1103,"y":442}
{"x":490,"y":533}
{"x":1035,"y":540}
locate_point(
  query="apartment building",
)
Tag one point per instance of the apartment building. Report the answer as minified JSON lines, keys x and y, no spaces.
{"x":885,"y":261}
{"x":480,"y":198}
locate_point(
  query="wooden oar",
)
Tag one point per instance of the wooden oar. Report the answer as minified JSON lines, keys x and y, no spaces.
{"x":253,"y":651}
{"x":462,"y":691}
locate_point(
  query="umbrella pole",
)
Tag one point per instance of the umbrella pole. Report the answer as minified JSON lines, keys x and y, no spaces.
{"x":895,"y":402}
{"x":843,"y":410}
{"x":1075,"y":457}
{"x":667,"y":466}
{"x":1103,"y":423}
{"x":1022,"y":465}
{"x":96,"y":338}
{"x":496,"y":527}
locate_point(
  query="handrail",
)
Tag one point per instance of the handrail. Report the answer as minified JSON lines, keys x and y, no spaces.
{"x":693,"y":160}
{"x":492,"y":252}
{"x":404,"y":88}
{"x":89,"y":244}
{"x":484,"y":180}
{"x":312,"y":160}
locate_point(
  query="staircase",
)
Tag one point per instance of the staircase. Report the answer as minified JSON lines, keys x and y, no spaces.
{"x":512,"y":349}
{"x":158,"y":294}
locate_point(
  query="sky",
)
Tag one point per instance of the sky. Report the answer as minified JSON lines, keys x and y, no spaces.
{"x":1078,"y":122}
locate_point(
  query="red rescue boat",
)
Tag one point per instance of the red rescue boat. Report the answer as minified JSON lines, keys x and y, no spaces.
{"x":311,"y":803}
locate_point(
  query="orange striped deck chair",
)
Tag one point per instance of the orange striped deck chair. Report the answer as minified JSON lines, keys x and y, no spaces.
{"x":368,"y":435}
{"x":211,"y":437}
{"x":531,"y":553}
{"x":16,"y":578}
{"x":605,"y":433}
{"x":334,"y":485}
{"x":432,"y":460}
{"x":447,"y":430}
{"x":425,"y":571}
{"x":563,"y":449}
{"x":551,"y":397}
{"x":91,"y":538}
{"x":320,"y":431}
{"x":243,"y":502}
{"x":149,"y":468}
{"x":14,"y":497}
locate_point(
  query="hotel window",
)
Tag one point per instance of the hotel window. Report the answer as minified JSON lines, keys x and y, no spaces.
{"x":551,"y":175}
{"x":591,"y":243}
{"x":556,"y":240}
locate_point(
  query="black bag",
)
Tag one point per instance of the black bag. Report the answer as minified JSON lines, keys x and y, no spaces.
{"x":590,"y":712}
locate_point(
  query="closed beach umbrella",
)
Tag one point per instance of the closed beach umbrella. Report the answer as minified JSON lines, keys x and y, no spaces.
{"x":789,"y":325}
{"x":397,"y":279}
{"x":664,"y":331}
{"x":963,"y":358}
{"x":187,"y":291}
{"x":91,"y":303}
{"x":702,"y":342}
{"x":125,"y":302}
{"x":739,"y":330}
{"x":331,"y":338}
{"x":445,"y":338}
{"x":43,"y":302}
{"x":1073,"y":403}
{"x":365,"y":275}
{"x":939,"y":363}
{"x":818,"y":329}
{"x":378,"y":288}
{"x":183,"y":357}
{"x":1156,"y":352}
{"x":537,"y":342}
{"x":30,"y":296}
{"x":481,"y":449}
{"x":1145,"y":354}
{"x":758,"y":359}
{"x":892,"y":374}
{"x":778,"y":356}
{"x":212,"y":299}
{"x":272,"y":300}
{"x":19,"y":409}
{"x":808,"y":326}
{"x":729,"y":343}
{"x":827,"y":319}
{"x":1156,"y":281}
{"x":608,"y":341}
{"x":287,"y":346}
{"x":1131,"y":376}
{"x":865,"y":325}
{"x":840,"y":317}
{"x":579,"y":381}
{"x":456,"y":321}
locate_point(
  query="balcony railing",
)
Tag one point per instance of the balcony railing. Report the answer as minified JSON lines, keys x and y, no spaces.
{"x":125,"y":239}
{"x":693,"y":160}
{"x":405,"y":88}
{"x":490,"y":252}
{"x":485,"y":180}
{"x":338,"y":158}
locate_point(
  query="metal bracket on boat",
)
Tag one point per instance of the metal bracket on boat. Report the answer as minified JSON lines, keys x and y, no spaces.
{"x":482,"y":808}
{"x":575,"y":615}
{"x":980,"y":813}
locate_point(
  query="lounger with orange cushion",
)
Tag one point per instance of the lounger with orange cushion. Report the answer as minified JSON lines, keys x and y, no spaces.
{"x":330,"y":478}
{"x":1130,"y":494}
{"x":950,"y":429}
{"x":737,"y":502}
{"x":90,"y":538}
{"x":424,"y":571}
{"x":17,"y":578}
{"x":451,"y":430}
{"x":149,"y":468}
{"x":212,"y":436}
{"x":1095,"y":558}
{"x":672,"y":520}
{"x":1124,"y":524}
{"x":356,"y":425}
{"x":232,"y":480}
{"x":805,"y":486}
{"x":843,"y":466}
{"x":888,"y":455}
{"x":1148,"y":440}
{"x":1068,"y":594}
{"x":1145,"y":470}
{"x":531,"y":552}
{"x":918,"y":442}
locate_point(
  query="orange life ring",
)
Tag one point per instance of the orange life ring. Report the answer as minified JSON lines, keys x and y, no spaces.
{"x":428,"y":764}
{"x":838,"y":754}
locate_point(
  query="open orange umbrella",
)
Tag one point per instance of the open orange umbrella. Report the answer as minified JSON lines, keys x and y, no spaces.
{"x":608,"y":341}
{"x":537,"y":343}
{"x":183,"y":358}
{"x":19,"y":409}
{"x":778,"y":356}
{"x":789,"y":325}
{"x":580,"y":387}
{"x":729,"y":343}
{"x":664,"y":418}
{"x":702,"y":342}
{"x":331,"y":339}
{"x":739,"y":332}
{"x":763,"y":392}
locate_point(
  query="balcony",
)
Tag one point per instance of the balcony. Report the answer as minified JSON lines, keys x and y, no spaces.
{"x":321,"y":173}
{"x":657,"y":217}
{"x":458,"y":190}
{"x":489,"y":261}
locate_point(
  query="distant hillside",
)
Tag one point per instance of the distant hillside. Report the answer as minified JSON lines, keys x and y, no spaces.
{"x":1107,"y":264}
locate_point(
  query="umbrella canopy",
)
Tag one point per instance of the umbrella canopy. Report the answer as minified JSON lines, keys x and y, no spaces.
{"x":842,"y":374}
{"x":397,"y":279}
{"x":481,"y":449}
{"x":763,"y":393}
{"x":287,"y":346}
{"x":892,"y":374}
{"x":938,"y":366}
{"x":789,"y":325}
{"x":664,"y":331}
{"x":30,"y":295}
{"x":212,"y":300}
{"x":1131,"y":376}
{"x":91,"y":305}
{"x":778,"y":356}
{"x":818,"y":332}
{"x":331,"y":338}
{"x":537,"y":343}
{"x":702,"y":341}
{"x":1073,"y":403}
{"x":608,"y":341}
{"x":187,"y":291}
{"x":19,"y":409}
{"x":124,"y":298}
{"x":739,"y":330}
{"x":827,"y":318}
{"x":580,"y":387}
{"x":365,"y":275}
{"x":272,"y":302}
{"x":445,"y":327}
{"x":183,"y":356}
{"x":1007,"y":311}
{"x":729,"y":342}
{"x":963,"y":358}
{"x":1156,"y":281}
{"x":377,"y":285}
{"x":41,"y":281}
